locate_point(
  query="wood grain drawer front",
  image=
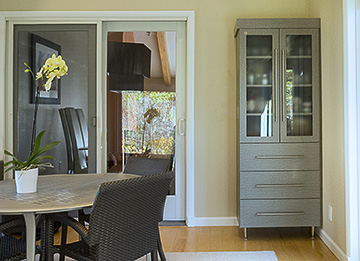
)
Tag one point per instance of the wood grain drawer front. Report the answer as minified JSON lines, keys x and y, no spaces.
{"x":272,"y":157}
{"x":292,"y":184}
{"x":280,"y":213}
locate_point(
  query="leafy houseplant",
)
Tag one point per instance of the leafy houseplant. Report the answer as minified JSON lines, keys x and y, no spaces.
{"x":26,"y":172}
{"x":34,"y":161}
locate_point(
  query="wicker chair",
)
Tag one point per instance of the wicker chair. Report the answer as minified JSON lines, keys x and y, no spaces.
{"x":124,"y":220}
{"x":146,"y":166}
{"x":13,"y":248}
{"x":134,"y":165}
{"x":10,"y":247}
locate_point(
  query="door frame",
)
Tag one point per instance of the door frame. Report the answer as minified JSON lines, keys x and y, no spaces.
{"x":351,"y":40}
{"x":11,"y":18}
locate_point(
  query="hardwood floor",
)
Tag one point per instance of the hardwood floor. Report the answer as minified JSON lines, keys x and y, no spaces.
{"x":288,"y":243}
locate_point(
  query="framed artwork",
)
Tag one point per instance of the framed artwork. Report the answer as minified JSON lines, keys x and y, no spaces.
{"x":42,"y":49}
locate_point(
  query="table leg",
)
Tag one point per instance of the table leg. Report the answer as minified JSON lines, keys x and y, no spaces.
{"x":30,"y":235}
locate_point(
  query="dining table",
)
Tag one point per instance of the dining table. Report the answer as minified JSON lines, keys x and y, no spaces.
{"x":55,"y":193}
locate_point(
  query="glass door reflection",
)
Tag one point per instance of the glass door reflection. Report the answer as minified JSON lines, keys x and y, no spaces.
{"x":298,"y":85}
{"x":259,"y":86}
{"x":141,"y":98}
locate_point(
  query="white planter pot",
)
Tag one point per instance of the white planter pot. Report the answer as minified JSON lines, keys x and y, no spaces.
{"x":26,"y":181}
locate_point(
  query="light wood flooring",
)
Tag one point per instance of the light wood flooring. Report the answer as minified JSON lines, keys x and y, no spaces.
{"x":288,"y":243}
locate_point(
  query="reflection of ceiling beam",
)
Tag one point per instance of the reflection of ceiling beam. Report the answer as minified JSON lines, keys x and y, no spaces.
{"x":164,"y":59}
{"x":122,"y":37}
{"x":128,"y":37}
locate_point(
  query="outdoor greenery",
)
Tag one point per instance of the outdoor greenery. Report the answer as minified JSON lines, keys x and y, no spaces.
{"x":149,"y":122}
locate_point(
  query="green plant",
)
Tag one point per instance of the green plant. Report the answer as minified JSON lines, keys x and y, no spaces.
{"x":34,"y":160}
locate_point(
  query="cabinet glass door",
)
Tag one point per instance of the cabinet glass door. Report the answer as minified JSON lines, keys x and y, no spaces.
{"x":300,"y":87}
{"x":258,"y":112}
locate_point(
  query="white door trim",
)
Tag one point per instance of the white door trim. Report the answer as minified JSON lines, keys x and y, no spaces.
{"x":97,"y":17}
{"x":351,"y":121}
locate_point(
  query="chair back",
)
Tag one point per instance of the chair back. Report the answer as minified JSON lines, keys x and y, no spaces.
{"x":69,"y":150}
{"x":76,"y":138}
{"x":124,"y":219}
{"x":83,"y":129}
{"x":146,"y":166}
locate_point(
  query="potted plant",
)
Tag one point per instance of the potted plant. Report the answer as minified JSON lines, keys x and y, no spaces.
{"x":26,"y":172}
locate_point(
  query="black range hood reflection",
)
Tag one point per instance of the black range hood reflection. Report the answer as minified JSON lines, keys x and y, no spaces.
{"x":128,"y":64}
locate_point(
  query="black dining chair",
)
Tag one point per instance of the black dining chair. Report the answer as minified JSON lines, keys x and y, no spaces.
{"x":76,"y":139}
{"x":12,"y":239}
{"x":12,"y":248}
{"x":146,"y":166}
{"x":123,"y":223}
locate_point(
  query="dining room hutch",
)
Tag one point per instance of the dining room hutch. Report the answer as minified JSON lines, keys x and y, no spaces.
{"x":278,"y":123}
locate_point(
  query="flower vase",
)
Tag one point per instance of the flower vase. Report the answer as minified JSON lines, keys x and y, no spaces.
{"x":26,"y":180}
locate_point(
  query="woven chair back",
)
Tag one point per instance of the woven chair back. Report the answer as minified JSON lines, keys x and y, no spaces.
{"x":146,"y":166}
{"x":124,"y":220}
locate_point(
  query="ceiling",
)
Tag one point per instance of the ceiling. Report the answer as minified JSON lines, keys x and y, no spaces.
{"x":149,"y":39}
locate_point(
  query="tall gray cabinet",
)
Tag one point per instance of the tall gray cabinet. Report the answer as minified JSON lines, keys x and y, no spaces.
{"x":278,"y":123}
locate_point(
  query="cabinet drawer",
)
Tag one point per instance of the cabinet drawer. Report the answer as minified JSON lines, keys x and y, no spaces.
{"x":295,"y":156}
{"x":280,"y":213}
{"x":290,"y":184}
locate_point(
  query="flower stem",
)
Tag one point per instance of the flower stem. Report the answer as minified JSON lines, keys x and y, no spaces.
{"x":33,"y":135}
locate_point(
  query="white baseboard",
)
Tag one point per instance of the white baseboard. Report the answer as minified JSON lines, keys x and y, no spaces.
{"x":212,"y":221}
{"x":190,"y":221}
{"x":338,"y":252}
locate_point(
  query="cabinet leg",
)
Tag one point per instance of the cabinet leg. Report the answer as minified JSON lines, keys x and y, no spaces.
{"x":312,"y":232}
{"x":245,"y":233}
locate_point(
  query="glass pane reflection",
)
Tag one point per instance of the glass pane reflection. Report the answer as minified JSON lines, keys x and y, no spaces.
{"x":259,"y":85}
{"x":298,"y":93}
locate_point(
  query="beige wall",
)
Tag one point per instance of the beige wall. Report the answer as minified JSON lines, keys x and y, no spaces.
{"x":215,"y":91}
{"x":330,"y":12}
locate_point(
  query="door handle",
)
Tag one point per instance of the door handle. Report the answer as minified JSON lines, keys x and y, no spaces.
{"x":275,"y":83}
{"x":279,"y":156}
{"x":181,"y":127}
{"x":93,"y":121}
{"x":283,"y":84}
{"x":279,"y":213}
{"x":278,"y":185}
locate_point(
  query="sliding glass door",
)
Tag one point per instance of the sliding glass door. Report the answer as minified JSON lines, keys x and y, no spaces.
{"x":146,"y":100}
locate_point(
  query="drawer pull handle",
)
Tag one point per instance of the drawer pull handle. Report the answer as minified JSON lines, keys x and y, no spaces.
{"x":279,"y":156}
{"x":279,"y":213}
{"x":279,"y":185}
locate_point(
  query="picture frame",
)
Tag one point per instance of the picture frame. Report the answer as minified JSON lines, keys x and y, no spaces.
{"x":42,"y":49}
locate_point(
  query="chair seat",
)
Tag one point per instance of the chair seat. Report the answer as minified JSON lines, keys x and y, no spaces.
{"x":12,"y":248}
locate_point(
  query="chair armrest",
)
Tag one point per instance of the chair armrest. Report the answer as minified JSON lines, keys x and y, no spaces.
{"x":83,"y":217}
{"x":10,"y":225}
{"x":67,"y":220}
